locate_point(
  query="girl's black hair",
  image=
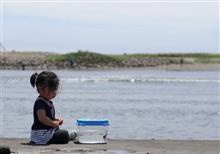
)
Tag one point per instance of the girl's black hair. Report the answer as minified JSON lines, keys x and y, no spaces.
{"x":45,"y":79}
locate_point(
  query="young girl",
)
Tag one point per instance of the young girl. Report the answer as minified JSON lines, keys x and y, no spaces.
{"x":45,"y":128}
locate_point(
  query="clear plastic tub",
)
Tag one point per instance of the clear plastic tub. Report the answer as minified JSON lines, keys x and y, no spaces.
{"x":92,"y":131}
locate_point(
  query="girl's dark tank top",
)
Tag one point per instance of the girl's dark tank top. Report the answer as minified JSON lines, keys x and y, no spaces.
{"x":48,"y":106}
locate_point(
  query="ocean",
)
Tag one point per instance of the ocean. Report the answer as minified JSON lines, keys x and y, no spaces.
{"x":139,"y":103}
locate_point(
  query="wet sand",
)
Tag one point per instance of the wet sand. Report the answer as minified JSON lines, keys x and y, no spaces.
{"x":20,"y":146}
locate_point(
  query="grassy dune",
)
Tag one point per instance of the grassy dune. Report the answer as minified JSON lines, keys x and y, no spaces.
{"x":86,"y":59}
{"x":92,"y":57}
{"x":83,"y":56}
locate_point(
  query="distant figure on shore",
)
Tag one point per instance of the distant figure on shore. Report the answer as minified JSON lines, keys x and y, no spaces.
{"x":23,"y":67}
{"x":181,"y":62}
{"x":72,"y":62}
{"x":45,"y":128}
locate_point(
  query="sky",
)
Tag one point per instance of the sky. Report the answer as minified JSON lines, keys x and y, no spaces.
{"x":111,"y":27}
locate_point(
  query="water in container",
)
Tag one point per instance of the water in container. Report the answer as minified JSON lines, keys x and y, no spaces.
{"x":92,"y":130}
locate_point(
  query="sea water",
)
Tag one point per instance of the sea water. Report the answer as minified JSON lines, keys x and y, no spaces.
{"x":139,"y":103}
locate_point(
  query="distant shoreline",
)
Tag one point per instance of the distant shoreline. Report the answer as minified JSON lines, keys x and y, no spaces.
{"x":83,"y":60}
{"x":172,"y":67}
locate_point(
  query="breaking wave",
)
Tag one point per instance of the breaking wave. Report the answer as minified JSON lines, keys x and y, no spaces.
{"x":136,"y":80}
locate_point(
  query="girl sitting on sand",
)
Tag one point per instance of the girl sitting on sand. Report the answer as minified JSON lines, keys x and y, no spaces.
{"x":45,"y":128}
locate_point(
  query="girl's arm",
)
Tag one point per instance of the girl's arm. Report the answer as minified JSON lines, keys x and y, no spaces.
{"x":41,"y":114}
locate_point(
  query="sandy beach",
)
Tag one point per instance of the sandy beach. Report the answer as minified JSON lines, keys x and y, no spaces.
{"x":20,"y":146}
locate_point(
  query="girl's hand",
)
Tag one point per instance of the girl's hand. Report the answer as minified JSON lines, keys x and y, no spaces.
{"x":56,"y":124}
{"x":60,"y":121}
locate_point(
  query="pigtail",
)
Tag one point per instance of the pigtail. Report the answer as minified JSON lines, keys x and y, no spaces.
{"x":33,"y":79}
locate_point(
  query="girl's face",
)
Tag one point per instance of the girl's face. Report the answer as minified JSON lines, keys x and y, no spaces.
{"x":47,"y":94}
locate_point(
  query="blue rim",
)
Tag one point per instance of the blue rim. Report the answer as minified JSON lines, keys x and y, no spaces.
{"x":92,"y":122}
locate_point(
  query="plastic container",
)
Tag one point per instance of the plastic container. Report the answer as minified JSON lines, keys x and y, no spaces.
{"x":92,"y":131}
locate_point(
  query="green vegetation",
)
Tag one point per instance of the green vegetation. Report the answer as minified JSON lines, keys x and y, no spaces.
{"x":81,"y":57}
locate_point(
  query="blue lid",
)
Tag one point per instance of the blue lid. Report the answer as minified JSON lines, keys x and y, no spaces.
{"x":92,"y":122}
